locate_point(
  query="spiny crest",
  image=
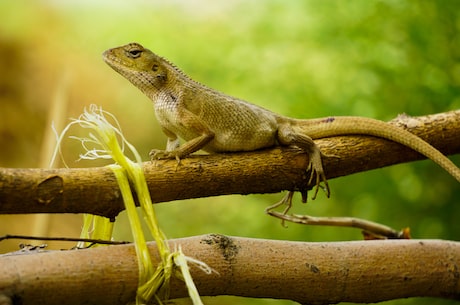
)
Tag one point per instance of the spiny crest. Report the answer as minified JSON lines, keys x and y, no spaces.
{"x":178,"y":70}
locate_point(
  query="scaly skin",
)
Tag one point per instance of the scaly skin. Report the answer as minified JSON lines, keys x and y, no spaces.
{"x":215,"y":122}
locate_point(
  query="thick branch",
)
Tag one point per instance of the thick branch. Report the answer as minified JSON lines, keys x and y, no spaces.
{"x":94,"y":190}
{"x":325,"y":273}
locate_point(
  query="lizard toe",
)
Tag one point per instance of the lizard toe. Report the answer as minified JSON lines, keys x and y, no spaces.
{"x":157,"y":154}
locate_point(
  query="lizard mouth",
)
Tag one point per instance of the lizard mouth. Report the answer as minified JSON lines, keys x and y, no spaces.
{"x":114,"y":61}
{"x":108,"y":57}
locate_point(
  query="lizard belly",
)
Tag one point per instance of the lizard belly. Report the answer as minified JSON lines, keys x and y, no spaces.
{"x":243,"y":129}
{"x":242,"y":140}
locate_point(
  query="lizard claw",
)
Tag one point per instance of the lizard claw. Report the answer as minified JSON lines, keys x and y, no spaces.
{"x":317,"y":175}
{"x":158,"y":154}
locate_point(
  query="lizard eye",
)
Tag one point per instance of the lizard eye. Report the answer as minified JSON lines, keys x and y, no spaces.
{"x":155,"y":68}
{"x":135,"y":53}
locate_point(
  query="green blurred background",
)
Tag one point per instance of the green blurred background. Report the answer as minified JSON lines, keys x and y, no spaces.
{"x":300,"y":58}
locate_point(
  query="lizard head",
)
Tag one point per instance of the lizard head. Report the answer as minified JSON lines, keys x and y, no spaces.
{"x":139,"y":65}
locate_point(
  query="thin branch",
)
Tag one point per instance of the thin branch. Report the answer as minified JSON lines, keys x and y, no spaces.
{"x":69,"y":239}
{"x":95,"y":191}
{"x":320,"y":273}
{"x":371,"y":230}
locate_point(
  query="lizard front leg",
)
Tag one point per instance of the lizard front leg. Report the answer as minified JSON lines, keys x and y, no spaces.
{"x":186,"y":149}
{"x":176,"y":151}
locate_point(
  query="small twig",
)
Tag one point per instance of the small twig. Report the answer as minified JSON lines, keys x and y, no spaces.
{"x":372,"y":230}
{"x":69,"y":239}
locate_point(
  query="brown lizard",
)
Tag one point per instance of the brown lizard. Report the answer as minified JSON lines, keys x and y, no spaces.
{"x":215,"y":122}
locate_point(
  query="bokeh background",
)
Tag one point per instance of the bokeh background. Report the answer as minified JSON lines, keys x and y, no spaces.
{"x":303,"y":59}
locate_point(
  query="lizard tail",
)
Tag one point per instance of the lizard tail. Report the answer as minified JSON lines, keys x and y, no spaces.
{"x":345,"y":125}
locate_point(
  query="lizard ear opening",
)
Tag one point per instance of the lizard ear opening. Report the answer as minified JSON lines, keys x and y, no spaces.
{"x":160,"y":74}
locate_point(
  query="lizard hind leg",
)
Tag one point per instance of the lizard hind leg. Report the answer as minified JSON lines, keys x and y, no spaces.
{"x":317,"y":174}
{"x":288,"y":136}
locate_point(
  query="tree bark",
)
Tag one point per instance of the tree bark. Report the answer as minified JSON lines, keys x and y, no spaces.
{"x":94,"y":190}
{"x":313,"y":273}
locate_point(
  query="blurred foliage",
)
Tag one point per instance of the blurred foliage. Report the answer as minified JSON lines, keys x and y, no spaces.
{"x":299,"y":58}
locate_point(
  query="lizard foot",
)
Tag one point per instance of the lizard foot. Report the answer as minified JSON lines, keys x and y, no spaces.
{"x":317,"y":175}
{"x":158,"y":154}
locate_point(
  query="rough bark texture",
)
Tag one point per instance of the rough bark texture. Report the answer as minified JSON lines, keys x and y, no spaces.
{"x":313,"y":273}
{"x":94,"y":190}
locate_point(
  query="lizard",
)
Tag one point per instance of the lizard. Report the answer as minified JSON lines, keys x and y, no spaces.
{"x":216,"y":122}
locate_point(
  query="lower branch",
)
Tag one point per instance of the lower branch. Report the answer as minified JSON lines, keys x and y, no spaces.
{"x":364,"y":271}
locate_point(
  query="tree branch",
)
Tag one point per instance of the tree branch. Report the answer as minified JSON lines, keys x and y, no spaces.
{"x":94,"y":190}
{"x":319,"y":273}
